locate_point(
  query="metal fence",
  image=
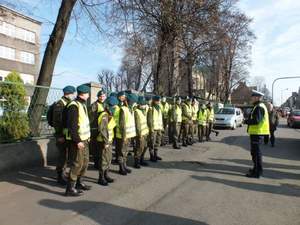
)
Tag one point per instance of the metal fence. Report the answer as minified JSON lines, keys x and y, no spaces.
{"x":8,"y":89}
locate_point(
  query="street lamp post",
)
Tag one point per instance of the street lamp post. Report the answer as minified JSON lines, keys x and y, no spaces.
{"x":280,"y":78}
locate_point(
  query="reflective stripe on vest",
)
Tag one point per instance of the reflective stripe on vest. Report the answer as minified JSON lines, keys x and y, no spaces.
{"x":188,"y":110}
{"x":202,"y":117}
{"x":129,"y":124}
{"x":110,"y":127}
{"x":263,"y":127}
{"x":143,"y":120}
{"x":65,"y":130}
{"x":83,"y":122}
{"x":157,"y":119}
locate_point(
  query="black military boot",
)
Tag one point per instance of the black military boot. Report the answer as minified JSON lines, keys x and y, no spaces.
{"x":156,"y":155}
{"x":152,"y":157}
{"x":142,"y":162}
{"x":184,"y":144}
{"x":80,"y":185}
{"x":122,"y":171}
{"x":176,"y":146}
{"x":137,"y":163}
{"x":61,"y":179}
{"x":102,"y":181}
{"x":126,"y":168}
{"x":107,"y":177}
{"x":71,"y":190}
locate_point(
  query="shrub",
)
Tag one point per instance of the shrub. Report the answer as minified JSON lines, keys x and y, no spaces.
{"x":14,"y":123}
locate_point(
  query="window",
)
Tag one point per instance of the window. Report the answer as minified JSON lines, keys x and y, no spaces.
{"x":17,"y":32}
{"x":27,"y":57}
{"x":7,"y":53}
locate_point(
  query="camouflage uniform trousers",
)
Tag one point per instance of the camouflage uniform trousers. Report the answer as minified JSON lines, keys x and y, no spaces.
{"x":122,"y":150}
{"x":79,"y":159}
{"x":175,"y":130}
{"x":105,"y":156}
{"x":140,"y":146}
{"x":155,"y":139}
{"x":62,"y":159}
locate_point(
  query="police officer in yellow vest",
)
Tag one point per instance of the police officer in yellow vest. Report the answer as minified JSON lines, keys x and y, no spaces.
{"x":106,"y":125}
{"x":202,"y":122}
{"x":125,"y":130}
{"x":155,"y":124}
{"x":59,"y":124}
{"x":175,"y":116}
{"x":142,"y":132}
{"x":165,"y":107}
{"x":186,"y":122}
{"x":79,"y":134}
{"x":94,"y":111}
{"x":258,"y":126}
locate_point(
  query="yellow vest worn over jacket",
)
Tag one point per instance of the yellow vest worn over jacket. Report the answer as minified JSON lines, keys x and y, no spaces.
{"x":129,"y":123}
{"x":176,"y":114}
{"x":210,"y":115}
{"x":263,"y":127}
{"x":202,"y":117}
{"x":165,"y":109}
{"x":194,"y":112}
{"x":157,"y":119}
{"x":84,"y":131}
{"x":143,"y":122}
{"x":188,"y":110}
{"x":110,"y":127}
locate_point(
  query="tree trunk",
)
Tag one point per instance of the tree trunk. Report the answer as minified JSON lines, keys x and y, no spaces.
{"x":46,"y":72}
{"x":189,"y":64}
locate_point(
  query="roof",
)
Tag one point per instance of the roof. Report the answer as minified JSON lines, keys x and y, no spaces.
{"x":20,"y":14}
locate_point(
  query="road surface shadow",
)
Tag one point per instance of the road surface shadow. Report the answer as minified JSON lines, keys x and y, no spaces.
{"x":39,"y":179}
{"x":225,"y":169}
{"x":283,"y":189}
{"x":109,"y":214}
{"x":285,"y":148}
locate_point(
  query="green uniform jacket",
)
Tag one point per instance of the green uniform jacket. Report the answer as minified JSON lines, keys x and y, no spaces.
{"x":103,"y":129}
{"x":59,"y":117}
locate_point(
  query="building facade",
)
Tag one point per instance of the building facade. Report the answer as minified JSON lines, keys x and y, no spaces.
{"x":242,"y":94}
{"x":19,"y":45}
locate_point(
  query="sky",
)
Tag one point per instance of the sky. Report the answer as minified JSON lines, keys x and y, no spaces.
{"x":275,"y":52}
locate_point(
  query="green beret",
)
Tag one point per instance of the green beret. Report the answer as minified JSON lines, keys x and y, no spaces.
{"x":69,"y":89}
{"x":101,"y":92}
{"x":142,"y":100}
{"x":156,"y":98}
{"x":115,"y":94}
{"x":132,"y":98}
{"x":121,"y":93}
{"x":83,"y":89}
{"x":112,"y":100}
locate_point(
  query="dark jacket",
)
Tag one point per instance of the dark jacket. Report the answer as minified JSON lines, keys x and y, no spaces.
{"x":257,"y":113}
{"x":59,"y":117}
{"x":273,"y":120}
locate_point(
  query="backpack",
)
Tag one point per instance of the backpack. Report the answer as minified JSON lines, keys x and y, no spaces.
{"x":50,"y":114}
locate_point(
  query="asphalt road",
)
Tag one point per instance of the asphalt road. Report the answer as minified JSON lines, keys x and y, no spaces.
{"x":200,"y":185}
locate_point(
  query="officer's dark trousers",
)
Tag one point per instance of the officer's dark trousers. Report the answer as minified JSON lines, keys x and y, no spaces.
{"x":256,"y":153}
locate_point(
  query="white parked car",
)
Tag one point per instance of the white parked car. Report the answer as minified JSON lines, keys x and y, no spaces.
{"x":229,"y":117}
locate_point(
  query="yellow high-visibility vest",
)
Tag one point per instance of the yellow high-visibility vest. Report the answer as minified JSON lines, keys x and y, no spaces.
{"x":83,"y":122}
{"x":178,"y":112}
{"x":263,"y":128}
{"x":143,"y":121}
{"x":210,"y":115}
{"x":188,"y":110}
{"x":194,"y":112}
{"x":157,"y":119}
{"x":100,"y":107}
{"x":202,"y":117}
{"x":65,"y":130}
{"x":165,"y":109}
{"x":129,"y":124}
{"x":110,"y":127}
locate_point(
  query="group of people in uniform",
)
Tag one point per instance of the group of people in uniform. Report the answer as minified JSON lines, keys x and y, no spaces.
{"x":121,"y":120}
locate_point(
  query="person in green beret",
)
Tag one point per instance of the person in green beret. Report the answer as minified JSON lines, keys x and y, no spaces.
{"x":106,"y":125}
{"x":186,"y":122}
{"x":95,"y":109}
{"x":175,"y":116}
{"x":78,"y":135}
{"x":59,"y":124}
{"x":155,"y":124}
